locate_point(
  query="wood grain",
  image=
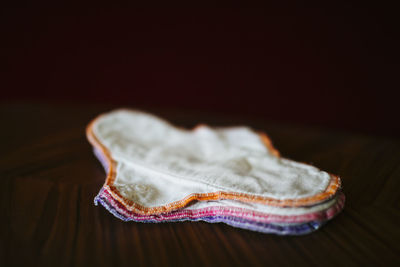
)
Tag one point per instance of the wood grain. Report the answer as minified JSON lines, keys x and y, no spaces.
{"x":49,"y":179}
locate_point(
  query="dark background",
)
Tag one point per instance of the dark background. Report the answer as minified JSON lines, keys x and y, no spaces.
{"x":333,"y":67}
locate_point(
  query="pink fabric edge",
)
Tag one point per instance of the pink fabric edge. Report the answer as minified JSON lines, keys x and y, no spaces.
{"x":230,"y":211}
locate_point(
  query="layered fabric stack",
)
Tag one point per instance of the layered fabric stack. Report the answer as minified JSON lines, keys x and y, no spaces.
{"x":157,"y":172}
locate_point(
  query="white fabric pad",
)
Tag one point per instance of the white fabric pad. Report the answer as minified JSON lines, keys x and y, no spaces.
{"x":157,"y":163}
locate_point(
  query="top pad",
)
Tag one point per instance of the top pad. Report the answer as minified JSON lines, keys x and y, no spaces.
{"x":156,"y":167}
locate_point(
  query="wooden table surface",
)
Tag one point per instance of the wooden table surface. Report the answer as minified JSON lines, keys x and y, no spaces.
{"x":49,"y":179}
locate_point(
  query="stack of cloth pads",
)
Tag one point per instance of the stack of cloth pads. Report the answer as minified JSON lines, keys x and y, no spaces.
{"x":157,"y":172}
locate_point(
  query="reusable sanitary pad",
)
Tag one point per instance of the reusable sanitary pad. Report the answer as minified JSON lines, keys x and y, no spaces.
{"x":161,"y":173}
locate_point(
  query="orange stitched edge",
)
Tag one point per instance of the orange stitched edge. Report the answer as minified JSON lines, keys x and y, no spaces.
{"x":330,"y":191}
{"x":268,"y":143}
